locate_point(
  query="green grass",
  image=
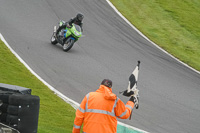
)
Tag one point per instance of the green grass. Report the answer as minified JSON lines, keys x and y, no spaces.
{"x":55,"y":115}
{"x":174,"y":25}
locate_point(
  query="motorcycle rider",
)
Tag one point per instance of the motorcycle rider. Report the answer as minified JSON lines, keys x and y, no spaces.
{"x":76,"y":20}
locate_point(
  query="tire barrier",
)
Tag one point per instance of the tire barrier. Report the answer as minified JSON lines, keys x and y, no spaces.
{"x":18,"y":108}
{"x":6,"y":129}
{"x":14,"y":89}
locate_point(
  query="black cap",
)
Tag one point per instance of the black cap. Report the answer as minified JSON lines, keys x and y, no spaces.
{"x":107,"y":82}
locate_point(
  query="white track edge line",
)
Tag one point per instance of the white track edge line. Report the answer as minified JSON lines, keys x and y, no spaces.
{"x":74,"y":104}
{"x":115,"y":9}
{"x":66,"y":99}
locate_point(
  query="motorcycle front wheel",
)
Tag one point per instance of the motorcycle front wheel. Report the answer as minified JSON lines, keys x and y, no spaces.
{"x":53,"y":40}
{"x":68,"y":44}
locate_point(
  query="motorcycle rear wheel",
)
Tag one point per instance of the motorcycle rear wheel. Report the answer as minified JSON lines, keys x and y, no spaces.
{"x":68,"y":45}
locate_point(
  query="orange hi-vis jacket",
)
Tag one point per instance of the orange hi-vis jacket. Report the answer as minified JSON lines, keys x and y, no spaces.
{"x":98,"y":112}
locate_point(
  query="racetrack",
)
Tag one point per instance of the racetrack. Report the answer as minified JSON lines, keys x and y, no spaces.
{"x":110,"y":48}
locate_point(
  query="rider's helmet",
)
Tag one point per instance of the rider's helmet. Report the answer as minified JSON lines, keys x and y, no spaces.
{"x":80,"y":16}
{"x":107,"y":82}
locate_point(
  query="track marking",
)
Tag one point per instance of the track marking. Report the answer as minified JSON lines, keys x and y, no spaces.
{"x":66,"y":99}
{"x":74,"y":104}
{"x":115,"y":9}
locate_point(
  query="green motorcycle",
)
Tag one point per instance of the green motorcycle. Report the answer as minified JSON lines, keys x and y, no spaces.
{"x":66,"y":36}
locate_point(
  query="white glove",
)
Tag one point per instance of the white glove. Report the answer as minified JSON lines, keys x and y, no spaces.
{"x":135,"y":91}
{"x":135,"y":97}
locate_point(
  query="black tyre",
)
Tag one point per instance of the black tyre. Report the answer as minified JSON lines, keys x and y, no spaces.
{"x":3,"y":107}
{"x":4,"y":98}
{"x":68,"y":44}
{"x":3,"y":117}
{"x":12,"y":110}
{"x":12,"y":119}
{"x":53,"y":40}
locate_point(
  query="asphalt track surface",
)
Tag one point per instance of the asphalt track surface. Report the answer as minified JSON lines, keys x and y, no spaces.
{"x":110,"y":48}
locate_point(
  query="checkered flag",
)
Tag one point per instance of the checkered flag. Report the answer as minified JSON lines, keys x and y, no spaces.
{"x":132,"y":86}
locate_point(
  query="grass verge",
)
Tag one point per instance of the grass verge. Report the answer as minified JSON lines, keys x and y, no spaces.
{"x":173,"y":25}
{"x":55,"y":115}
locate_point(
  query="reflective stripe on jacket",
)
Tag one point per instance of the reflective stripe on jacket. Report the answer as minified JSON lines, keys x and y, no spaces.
{"x":98,"y":112}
